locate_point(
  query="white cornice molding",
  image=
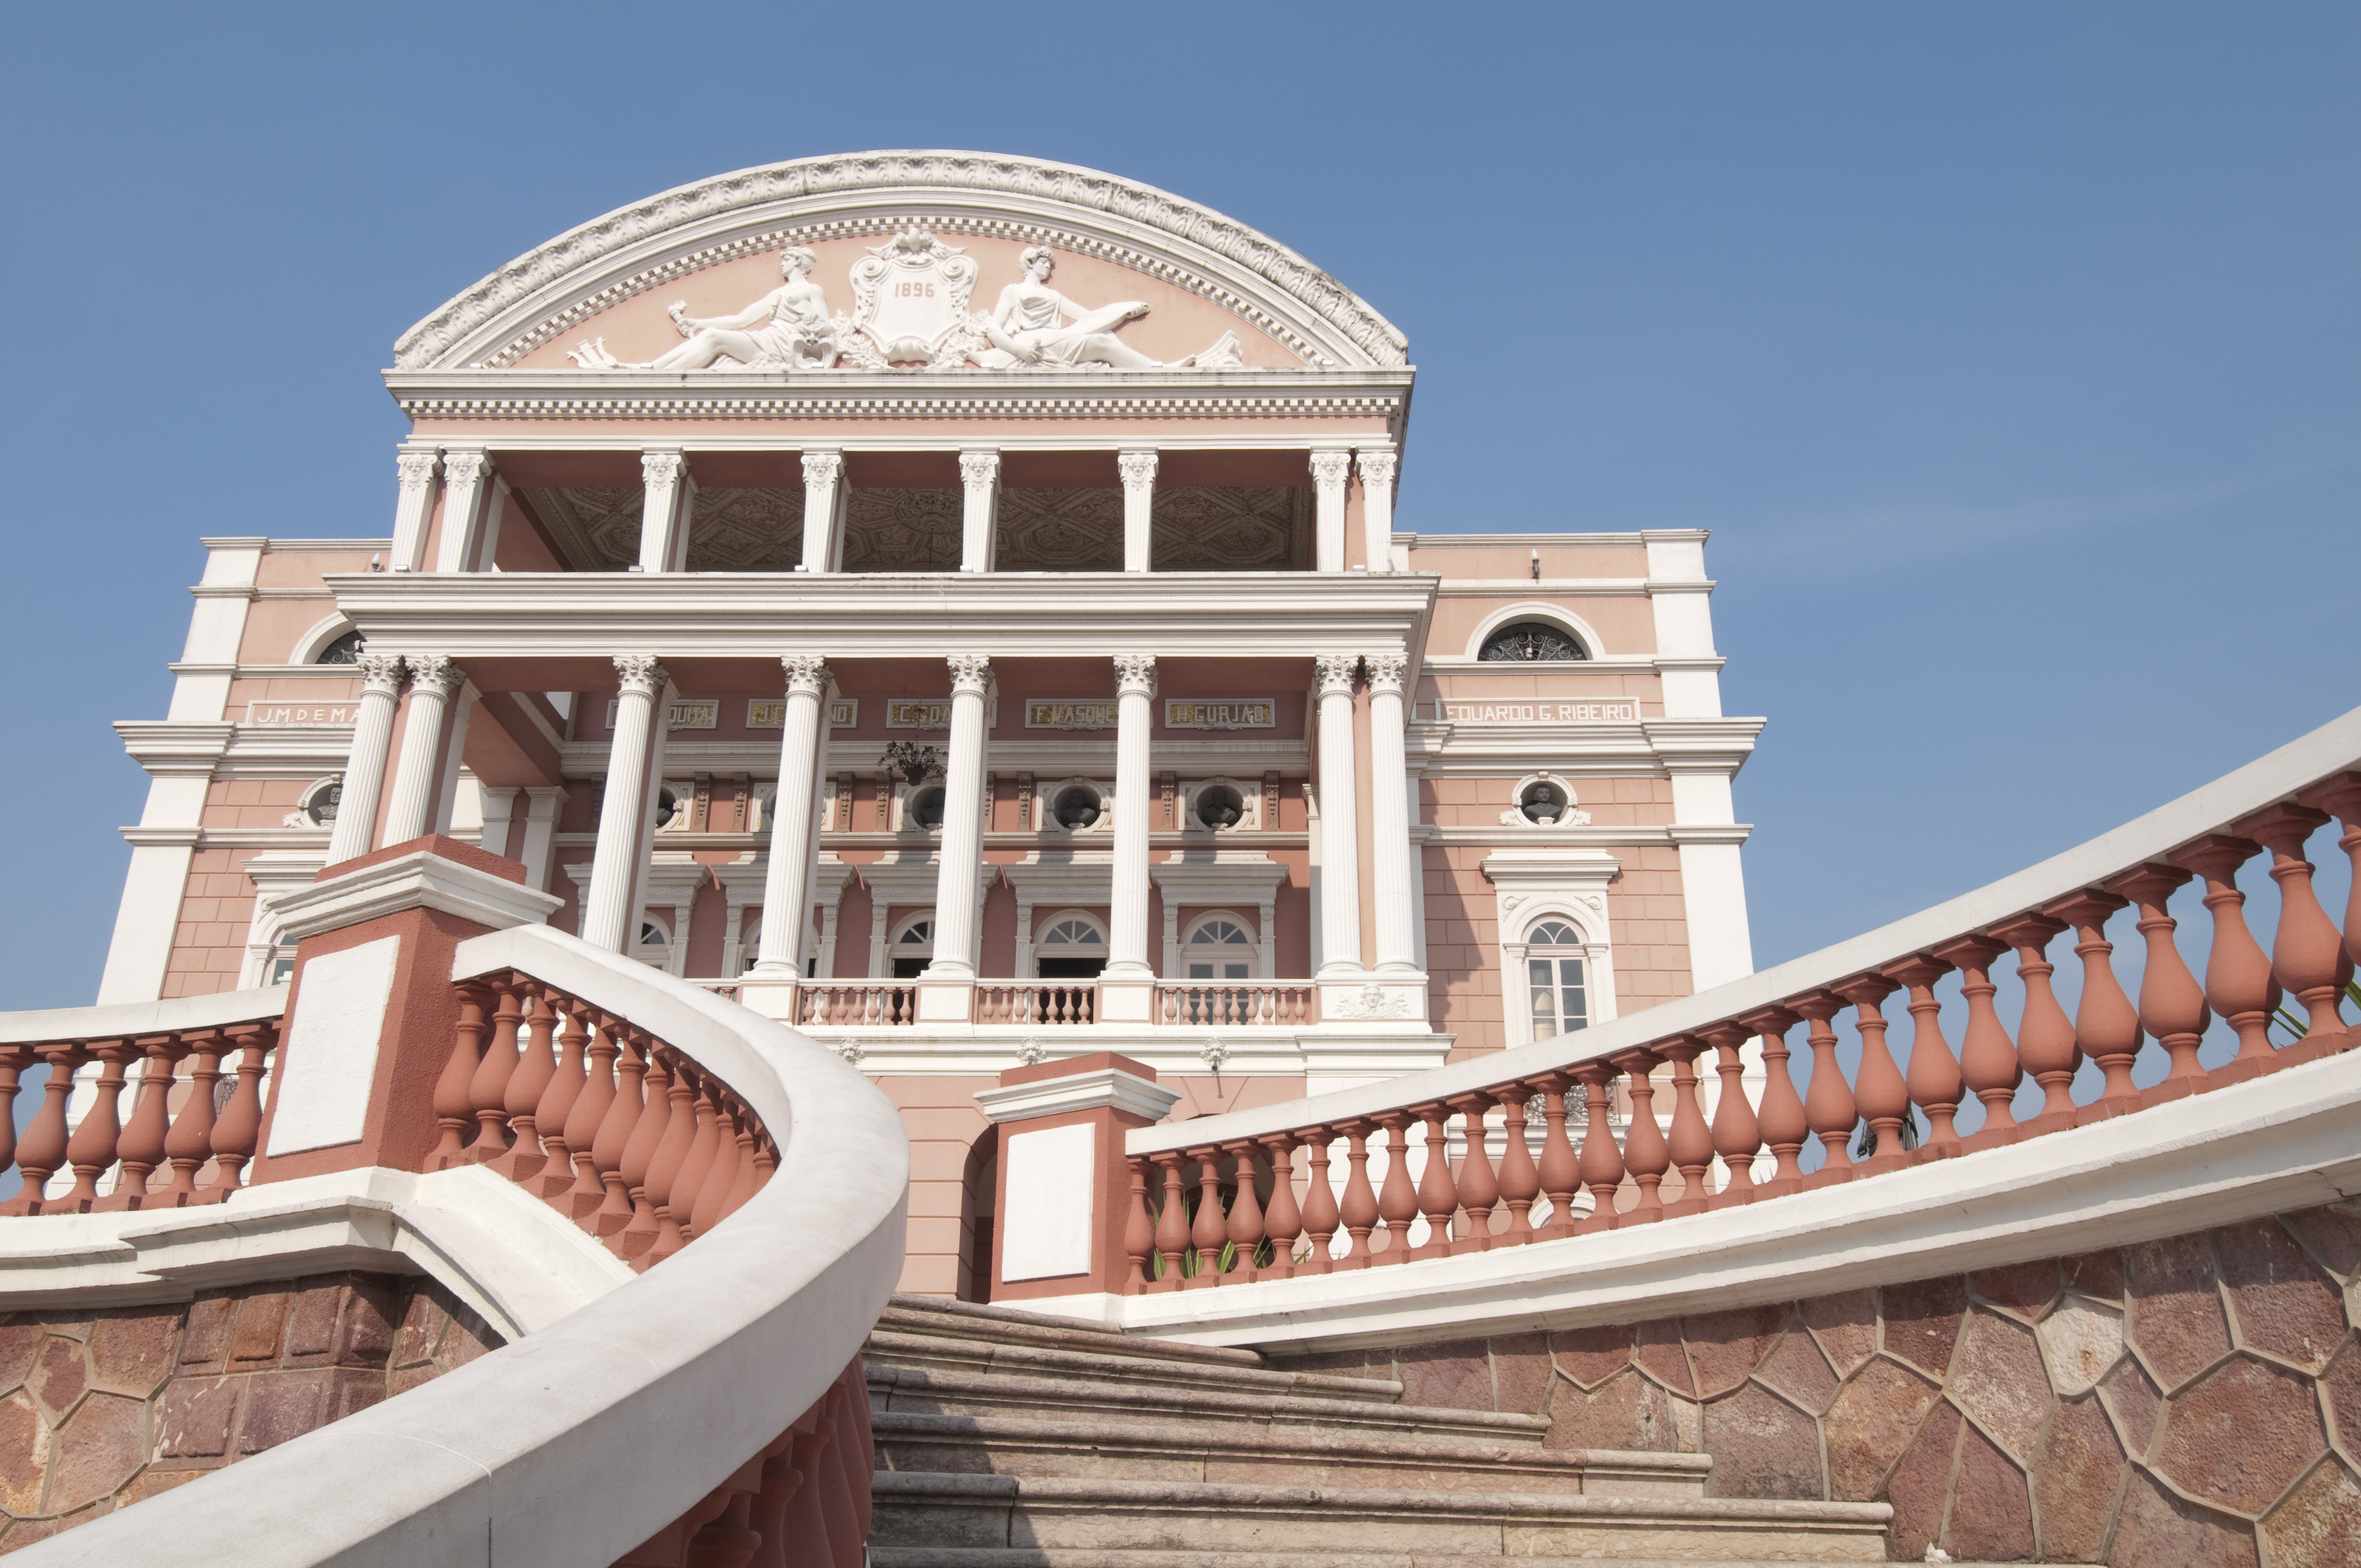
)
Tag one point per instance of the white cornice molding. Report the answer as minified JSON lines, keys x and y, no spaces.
{"x":412,"y":881}
{"x":1107,"y":1087}
{"x":651,"y":241}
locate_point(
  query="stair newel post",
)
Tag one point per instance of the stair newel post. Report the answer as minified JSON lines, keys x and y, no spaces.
{"x":1559,"y":1172}
{"x":2104,"y":1019}
{"x":1520,"y":1180}
{"x":1358,"y":1208}
{"x":241,"y":1119}
{"x":1172,"y":1224}
{"x":190,"y":1142}
{"x":1602,"y":1160}
{"x":1138,"y":1229}
{"x":2171,"y":1003}
{"x":142,"y":1145}
{"x":1691,"y":1143}
{"x":1785,"y":1128}
{"x":1438,"y":1195}
{"x":596,"y":1150}
{"x":1320,"y":1215}
{"x":1933,"y":1078}
{"x":1828,"y":1104}
{"x":1211,"y":1228}
{"x":554,"y":1117}
{"x":1737,"y":1130}
{"x":1283,"y":1221}
{"x":1478,"y":1190}
{"x":1645,"y":1153}
{"x":2045,"y":1047}
{"x":1245,"y":1227}
{"x":92,"y":1149}
{"x":536,"y":1070}
{"x":1397,"y":1197}
{"x":2239,"y":981}
{"x":43,"y":1148}
{"x":452,"y":1108}
{"x":487,"y":1089}
{"x":2307,"y":956}
{"x":1988,"y":1062}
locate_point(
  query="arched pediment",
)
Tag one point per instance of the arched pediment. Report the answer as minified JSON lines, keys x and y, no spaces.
{"x":719,"y":241}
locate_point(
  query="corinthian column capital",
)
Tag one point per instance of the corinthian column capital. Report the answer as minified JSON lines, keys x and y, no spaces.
{"x":415,"y":469}
{"x":1385,"y":671}
{"x":1136,"y":673}
{"x":979,"y":468}
{"x":640,"y":672}
{"x":465,"y":467}
{"x":436,"y":673}
{"x":660,"y":467}
{"x":1336,"y":672}
{"x":822,"y":467}
{"x":1376,"y":468}
{"x":970,"y":673}
{"x":1331,"y":469}
{"x":380,"y":674}
{"x":807,"y":673}
{"x":1138,"y":468}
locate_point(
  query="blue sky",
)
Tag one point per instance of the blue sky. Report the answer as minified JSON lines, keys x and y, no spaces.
{"x":2009,"y":350}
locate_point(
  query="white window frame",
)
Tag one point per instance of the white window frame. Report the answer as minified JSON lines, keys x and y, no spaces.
{"x":1043,"y":925}
{"x":1251,"y":952}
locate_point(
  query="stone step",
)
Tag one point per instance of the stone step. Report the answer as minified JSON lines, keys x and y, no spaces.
{"x":968,"y":1320}
{"x":1284,"y":1456}
{"x":1085,"y":1557}
{"x":891,"y":1347}
{"x":931,"y":1391}
{"x":1065,"y":1514}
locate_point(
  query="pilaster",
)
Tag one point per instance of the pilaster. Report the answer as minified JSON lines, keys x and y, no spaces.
{"x":979,"y":514}
{"x":1377,"y":467}
{"x":1330,"y":470}
{"x":1138,"y":471}
{"x":665,"y":510}
{"x":824,"y":498}
{"x":413,"y":467}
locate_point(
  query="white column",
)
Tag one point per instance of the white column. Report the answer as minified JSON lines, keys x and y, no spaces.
{"x":823,"y":505}
{"x":365,"y":764}
{"x":449,"y":776}
{"x":1138,"y":470}
{"x":415,"y":466}
{"x":540,"y":833}
{"x":464,"y":473}
{"x":1376,"y":466}
{"x":1330,"y":470}
{"x":979,"y":518}
{"x":1127,"y":936}
{"x":432,"y":679}
{"x":1340,"y":854}
{"x":784,"y":900}
{"x":499,"y":810}
{"x":663,"y":510}
{"x":1681,"y":596}
{"x":958,"y":877}
{"x":1390,"y":817}
{"x":614,"y":868}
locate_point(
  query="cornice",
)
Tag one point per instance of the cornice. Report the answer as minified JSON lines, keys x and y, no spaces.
{"x":166,"y":745}
{"x":161,"y":838}
{"x":653,"y":241}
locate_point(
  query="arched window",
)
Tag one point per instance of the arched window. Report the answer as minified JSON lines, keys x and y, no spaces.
{"x":1218,"y":947}
{"x":1557,"y":974}
{"x":1072,"y":947}
{"x":913,"y":948}
{"x":344,"y":650}
{"x":1531,"y":641}
{"x":655,"y":944}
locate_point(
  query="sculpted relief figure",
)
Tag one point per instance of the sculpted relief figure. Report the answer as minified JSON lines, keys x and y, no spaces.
{"x":1028,"y":326}
{"x":798,"y":336}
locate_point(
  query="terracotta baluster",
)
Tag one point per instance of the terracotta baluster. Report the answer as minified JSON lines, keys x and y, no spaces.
{"x":1520,"y":1179}
{"x":1358,"y":1206}
{"x":1478,"y":1189}
{"x":2171,"y":1003}
{"x":1737,"y":1133}
{"x":1782,"y":1125}
{"x":1828,"y":1104}
{"x":488,"y":1087}
{"x":536,"y":1070}
{"x":704,"y":1151}
{"x":721,"y":1174}
{"x":807,"y":1519}
{"x":635,"y":1123}
{"x":586,"y":1122}
{"x":43,"y":1148}
{"x":781,"y":1480}
{"x":1878,"y":1087}
{"x":2341,"y":795}
{"x":241,"y":1119}
{"x":1245,"y":1231}
{"x":1601,"y":1162}
{"x":1933,"y":1079}
{"x":190,"y":1142}
{"x":1397,"y":1197}
{"x":1646,"y":1156}
{"x":1559,"y":1172}
{"x":454,"y":1111}
{"x":14,"y":1060}
{"x":1282,"y":1221}
{"x":744,"y":1176}
{"x":670,"y":1085}
{"x":1211,"y":1228}
{"x":1988,"y":1063}
{"x":766,"y":1160}
{"x":1438,"y":1195}
{"x":552,"y":1116}
{"x":2045,"y":1047}
{"x":1138,"y":1230}
{"x":1691,"y":1143}
{"x":92,"y":1149}
{"x":2307,"y":955}
{"x":141,"y":1146}
{"x":1320,"y":1215}
{"x":2104,"y":1020}
{"x":1172,"y":1224}
{"x":2238,"y":981}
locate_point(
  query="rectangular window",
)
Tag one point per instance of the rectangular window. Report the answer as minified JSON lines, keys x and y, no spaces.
{"x":1201,"y":971}
{"x":1559,"y":1003}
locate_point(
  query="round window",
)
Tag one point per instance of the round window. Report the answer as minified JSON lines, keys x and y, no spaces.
{"x":320,"y":810}
{"x":1078,"y":806}
{"x":672,"y":811}
{"x":925,"y":807}
{"x":1543,"y":803}
{"x":1220,"y":806}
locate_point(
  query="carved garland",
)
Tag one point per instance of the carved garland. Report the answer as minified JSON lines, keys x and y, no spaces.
{"x":723,"y":402}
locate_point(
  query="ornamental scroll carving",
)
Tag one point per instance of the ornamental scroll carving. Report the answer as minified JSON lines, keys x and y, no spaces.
{"x":1373,"y":1001}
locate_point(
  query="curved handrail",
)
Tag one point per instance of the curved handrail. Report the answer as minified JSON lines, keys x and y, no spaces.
{"x":120,"y":1020}
{"x":674,"y":1380}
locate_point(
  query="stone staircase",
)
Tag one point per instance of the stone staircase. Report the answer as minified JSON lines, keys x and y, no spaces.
{"x":1012,"y":1440}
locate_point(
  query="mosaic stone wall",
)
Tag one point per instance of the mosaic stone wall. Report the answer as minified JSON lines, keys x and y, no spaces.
{"x":2192,"y":1402}
{"x":105,"y":1408}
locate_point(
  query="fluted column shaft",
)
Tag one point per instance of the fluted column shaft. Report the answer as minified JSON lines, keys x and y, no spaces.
{"x":1138,"y":471}
{"x":432,"y":682}
{"x":1340,"y":838}
{"x":1389,"y":816}
{"x":1127,"y":936}
{"x":1377,"y":506}
{"x":823,"y":486}
{"x":979,"y":514}
{"x":785,"y":896}
{"x":1331,"y":472}
{"x":663,"y":510}
{"x":962,"y":840}
{"x":615,"y":866}
{"x":414,"y":471}
{"x":365,"y":764}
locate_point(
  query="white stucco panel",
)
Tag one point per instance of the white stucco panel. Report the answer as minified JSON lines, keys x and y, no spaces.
{"x":330,"y":1057}
{"x":1049,"y":1212}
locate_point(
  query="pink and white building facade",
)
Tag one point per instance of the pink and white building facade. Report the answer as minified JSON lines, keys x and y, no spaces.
{"x":997,"y":567}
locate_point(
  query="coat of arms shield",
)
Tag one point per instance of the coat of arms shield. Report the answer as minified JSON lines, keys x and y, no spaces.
{"x":910,"y":299}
